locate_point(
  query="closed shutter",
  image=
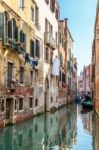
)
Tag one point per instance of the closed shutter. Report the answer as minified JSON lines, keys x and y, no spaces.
{"x":37,"y":49}
{"x":32,"y":48}
{"x":16,"y":33}
{"x":21,"y":36}
{"x":10,"y":29}
{"x":10,"y":66}
{"x":2,"y":31}
{"x":24,"y":41}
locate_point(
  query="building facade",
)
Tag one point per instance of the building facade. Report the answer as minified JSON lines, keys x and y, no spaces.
{"x":85,"y":80}
{"x":95,"y":61}
{"x":30,"y":59}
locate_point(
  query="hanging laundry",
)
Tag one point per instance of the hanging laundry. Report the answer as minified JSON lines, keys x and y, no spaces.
{"x":55,"y":67}
{"x":26,"y":57}
{"x":33,"y":62}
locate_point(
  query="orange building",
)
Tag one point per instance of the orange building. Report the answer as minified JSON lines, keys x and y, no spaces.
{"x":95,"y":61}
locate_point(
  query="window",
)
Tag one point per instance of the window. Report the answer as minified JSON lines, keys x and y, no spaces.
{"x":36,"y":102}
{"x":21,"y":75}
{"x":46,"y":25}
{"x":37,"y":49}
{"x":36,"y":15}
{"x":32,"y":14}
{"x":47,"y":55}
{"x":10,"y":73}
{"x":32,"y":48}
{"x":52,"y":5}
{"x":23,"y":41}
{"x":20,"y":103}
{"x":31,"y":102}
{"x":22,"y":2}
{"x":56,"y":14}
{"x":31,"y":76}
{"x":51,"y":29}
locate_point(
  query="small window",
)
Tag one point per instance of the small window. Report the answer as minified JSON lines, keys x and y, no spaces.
{"x":56,"y":14}
{"x":36,"y":15}
{"x":36,"y":102}
{"x":37,"y":49}
{"x":20,"y":103}
{"x":22,"y":4}
{"x":31,"y":76}
{"x":32,"y":14}
{"x":31,"y":102}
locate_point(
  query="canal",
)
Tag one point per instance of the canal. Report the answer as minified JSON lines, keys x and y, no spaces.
{"x":70,"y":128}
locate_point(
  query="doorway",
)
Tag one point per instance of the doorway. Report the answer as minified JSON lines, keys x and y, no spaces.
{"x":9,"y":110}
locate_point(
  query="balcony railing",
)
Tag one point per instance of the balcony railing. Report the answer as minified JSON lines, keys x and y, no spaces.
{"x":14,"y":45}
{"x":49,"y":40}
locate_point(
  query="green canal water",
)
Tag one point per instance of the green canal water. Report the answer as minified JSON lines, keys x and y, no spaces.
{"x":70,"y":128}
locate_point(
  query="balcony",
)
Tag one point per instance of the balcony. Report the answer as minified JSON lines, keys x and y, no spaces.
{"x":47,"y":38}
{"x":13,"y":45}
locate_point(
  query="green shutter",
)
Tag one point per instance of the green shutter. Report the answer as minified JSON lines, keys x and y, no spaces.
{"x":2,"y":26}
{"x":32,"y":48}
{"x":24,"y":41}
{"x":10,"y":29}
{"x":21,"y":36}
{"x":16,"y":34}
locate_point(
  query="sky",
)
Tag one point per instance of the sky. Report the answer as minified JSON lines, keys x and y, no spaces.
{"x":81,"y":19}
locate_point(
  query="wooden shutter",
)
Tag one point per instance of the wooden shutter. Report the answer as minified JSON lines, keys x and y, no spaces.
{"x":2,"y":25}
{"x":10,"y":29}
{"x":10,"y":66}
{"x":21,"y":36}
{"x":37,"y":49}
{"x":16,"y":33}
{"x":32,"y":48}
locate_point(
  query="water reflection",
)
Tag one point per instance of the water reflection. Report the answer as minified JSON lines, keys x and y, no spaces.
{"x":66,"y":129}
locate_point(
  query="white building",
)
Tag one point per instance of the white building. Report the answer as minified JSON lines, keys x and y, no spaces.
{"x":48,"y":11}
